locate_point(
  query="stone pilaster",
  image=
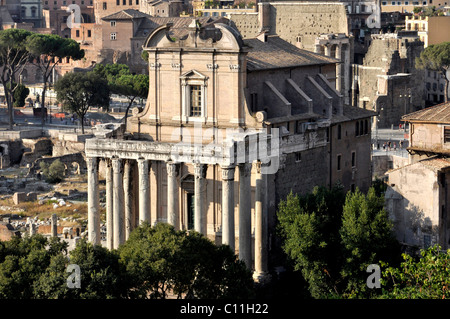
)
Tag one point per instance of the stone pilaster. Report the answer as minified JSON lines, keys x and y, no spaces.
{"x":172,"y":194}
{"x":144,"y":190}
{"x":228,"y":236}
{"x":245,"y":238}
{"x":118,"y":211}
{"x":338,"y":55}
{"x":93,"y":201}
{"x":200,"y":197}
{"x":109,"y":204}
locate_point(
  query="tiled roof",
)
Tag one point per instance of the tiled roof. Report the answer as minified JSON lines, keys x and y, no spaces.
{"x":127,"y":14}
{"x":437,"y":163}
{"x":437,"y":114}
{"x":178,"y":29}
{"x":277,"y":53}
{"x":352,"y":113}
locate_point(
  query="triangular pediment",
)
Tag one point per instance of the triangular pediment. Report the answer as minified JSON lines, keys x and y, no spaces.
{"x":193,"y":74}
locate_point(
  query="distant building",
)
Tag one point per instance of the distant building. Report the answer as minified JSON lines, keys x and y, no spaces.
{"x":387,"y":82}
{"x":418,"y":195}
{"x":431,"y":30}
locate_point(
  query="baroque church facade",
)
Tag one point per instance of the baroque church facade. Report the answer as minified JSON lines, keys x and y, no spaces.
{"x":230,"y":127}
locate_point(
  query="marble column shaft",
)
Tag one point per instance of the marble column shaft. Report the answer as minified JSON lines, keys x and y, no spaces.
{"x":144,"y":190}
{"x":93,"y":201}
{"x":200,"y":197}
{"x":172,"y":195}
{"x":245,"y":238}
{"x":228,"y":236}
{"x":128,"y":203}
{"x":109,"y":205}
{"x":260,"y":226}
{"x":118,"y":212}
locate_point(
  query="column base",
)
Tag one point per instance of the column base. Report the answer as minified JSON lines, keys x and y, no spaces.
{"x":261,"y":277}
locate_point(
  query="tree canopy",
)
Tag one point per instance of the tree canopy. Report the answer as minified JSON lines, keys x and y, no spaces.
{"x":153,"y":263}
{"x":79,"y":91}
{"x":13,"y":58}
{"x":122,"y":82}
{"x":436,"y":57}
{"x":47,"y":50}
{"x":331,"y":238}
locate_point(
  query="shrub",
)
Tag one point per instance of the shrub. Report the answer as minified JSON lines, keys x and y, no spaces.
{"x":53,"y":173}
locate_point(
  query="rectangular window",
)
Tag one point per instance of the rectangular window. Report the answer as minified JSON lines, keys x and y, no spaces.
{"x":105,"y":6}
{"x":113,"y":23}
{"x":124,"y":2}
{"x":89,"y":33}
{"x":298,"y":157}
{"x":137,"y":2}
{"x":447,"y":134}
{"x":353,"y":159}
{"x":195,"y":100}
{"x":339,"y":162}
{"x":117,"y":2}
{"x":77,"y":33}
{"x":113,"y":36}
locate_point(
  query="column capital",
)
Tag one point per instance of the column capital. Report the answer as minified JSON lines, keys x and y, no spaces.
{"x":91,"y":162}
{"x":228,"y":173}
{"x":116,"y":164}
{"x":200,"y":170}
{"x":172,"y":169}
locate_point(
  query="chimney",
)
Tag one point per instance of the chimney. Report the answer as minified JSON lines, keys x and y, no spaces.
{"x":262,"y":36}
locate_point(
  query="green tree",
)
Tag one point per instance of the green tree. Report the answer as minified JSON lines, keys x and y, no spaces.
{"x":331,"y":238}
{"x":20,"y":94}
{"x":426,"y":277}
{"x":367,"y":238}
{"x":79,"y":91}
{"x":160,"y":260}
{"x":309,"y":227}
{"x":53,"y":173}
{"x":47,"y":51}
{"x":13,"y":58}
{"x":22,"y":261}
{"x":436,"y":57}
{"x":122,"y":82}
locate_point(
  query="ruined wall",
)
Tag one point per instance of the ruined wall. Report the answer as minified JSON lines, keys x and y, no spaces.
{"x":412,"y":200}
{"x":306,"y":19}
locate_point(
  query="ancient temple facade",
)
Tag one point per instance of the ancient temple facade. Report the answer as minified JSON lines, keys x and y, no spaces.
{"x":230,"y":127}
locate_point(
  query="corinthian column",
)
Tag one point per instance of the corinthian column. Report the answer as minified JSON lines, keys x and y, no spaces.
{"x":118,"y":213}
{"x":228,"y":206}
{"x":200,"y":197}
{"x":172,"y":194}
{"x":93,"y":201}
{"x":127,"y":192}
{"x":260,"y":273}
{"x":109,"y":204}
{"x":245,"y":237}
{"x":144,"y":191}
